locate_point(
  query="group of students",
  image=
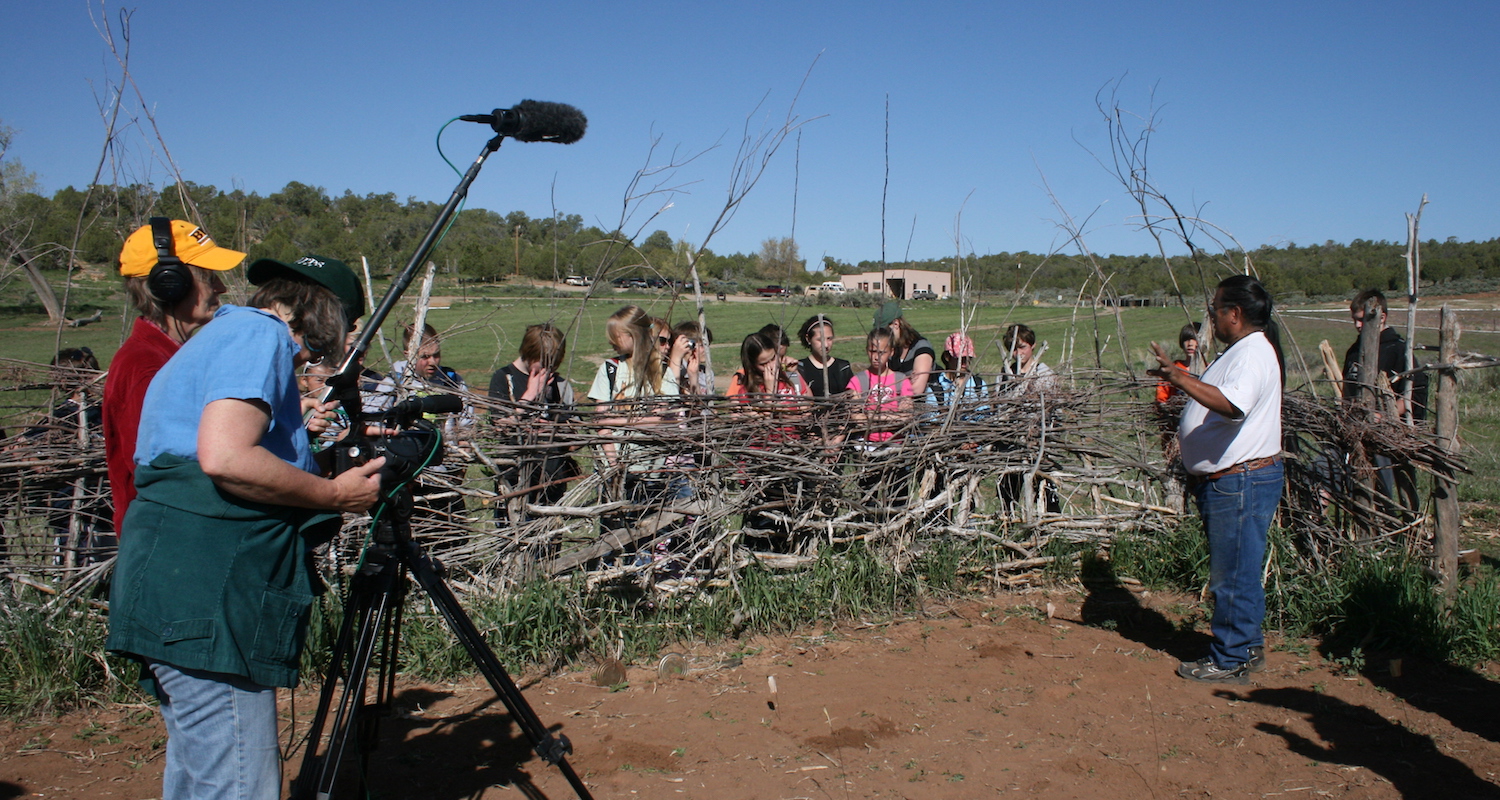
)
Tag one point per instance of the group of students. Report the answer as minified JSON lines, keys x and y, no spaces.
{"x":657,"y":368}
{"x":220,"y":499}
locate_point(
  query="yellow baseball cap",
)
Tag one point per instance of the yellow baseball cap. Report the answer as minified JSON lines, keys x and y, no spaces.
{"x":189,"y":242}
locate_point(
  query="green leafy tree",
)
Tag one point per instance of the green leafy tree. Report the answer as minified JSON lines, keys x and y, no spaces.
{"x":778,"y":260}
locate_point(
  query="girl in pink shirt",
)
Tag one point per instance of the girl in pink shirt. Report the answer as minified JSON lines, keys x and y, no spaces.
{"x":883,"y":395}
{"x":883,"y":399}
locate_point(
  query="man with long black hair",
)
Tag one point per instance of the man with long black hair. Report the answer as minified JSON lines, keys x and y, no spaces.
{"x":1230,"y":435}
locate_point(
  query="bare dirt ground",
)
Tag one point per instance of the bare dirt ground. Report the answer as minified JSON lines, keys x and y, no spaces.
{"x":986,"y":698}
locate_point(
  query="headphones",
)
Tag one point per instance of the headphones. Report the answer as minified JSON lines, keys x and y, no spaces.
{"x":170,"y":278}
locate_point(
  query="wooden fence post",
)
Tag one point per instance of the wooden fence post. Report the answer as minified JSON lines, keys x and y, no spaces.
{"x":1366,"y":392}
{"x":1369,"y":357}
{"x":1445,"y":488}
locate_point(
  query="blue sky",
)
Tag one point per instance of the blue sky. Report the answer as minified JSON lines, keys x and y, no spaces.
{"x":1281,"y":121}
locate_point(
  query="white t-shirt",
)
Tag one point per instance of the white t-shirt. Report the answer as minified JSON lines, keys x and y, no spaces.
{"x":625,"y":390}
{"x":624,"y":384}
{"x":1249,"y":376}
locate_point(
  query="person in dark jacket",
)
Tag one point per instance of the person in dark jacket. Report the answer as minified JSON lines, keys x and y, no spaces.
{"x":81,"y":522}
{"x":1392,"y":358}
{"x":535,"y":400}
{"x":1391,"y":364}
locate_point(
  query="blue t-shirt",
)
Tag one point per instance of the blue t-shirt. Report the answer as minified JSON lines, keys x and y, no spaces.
{"x":243,"y":354}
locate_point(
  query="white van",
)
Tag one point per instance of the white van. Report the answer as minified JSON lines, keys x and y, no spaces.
{"x":832,"y":287}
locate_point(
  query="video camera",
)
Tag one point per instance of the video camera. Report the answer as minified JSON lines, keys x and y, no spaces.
{"x":370,"y":627}
{"x":407,"y":453}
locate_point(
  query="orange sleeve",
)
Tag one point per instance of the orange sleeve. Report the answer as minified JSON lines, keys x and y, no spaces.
{"x":1165,"y":390}
{"x":736,"y":385}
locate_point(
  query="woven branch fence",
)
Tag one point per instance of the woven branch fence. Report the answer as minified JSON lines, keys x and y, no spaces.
{"x":698,"y":488}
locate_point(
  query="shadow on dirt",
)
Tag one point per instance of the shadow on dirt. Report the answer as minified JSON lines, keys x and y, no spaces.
{"x":1111,"y":604}
{"x":10,"y":790}
{"x":447,"y":756}
{"x":1359,"y":737}
{"x":1464,"y":697}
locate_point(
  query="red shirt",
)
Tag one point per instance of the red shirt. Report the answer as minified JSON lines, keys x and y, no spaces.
{"x":130,"y":373}
{"x":789,"y":389}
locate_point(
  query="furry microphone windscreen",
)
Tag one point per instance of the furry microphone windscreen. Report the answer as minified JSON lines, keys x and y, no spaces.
{"x":549,"y":122}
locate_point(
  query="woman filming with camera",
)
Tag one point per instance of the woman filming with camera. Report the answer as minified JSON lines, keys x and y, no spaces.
{"x":214,"y":583}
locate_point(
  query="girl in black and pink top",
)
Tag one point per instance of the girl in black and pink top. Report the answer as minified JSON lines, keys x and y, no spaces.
{"x":825,"y":375}
{"x":883,"y":405}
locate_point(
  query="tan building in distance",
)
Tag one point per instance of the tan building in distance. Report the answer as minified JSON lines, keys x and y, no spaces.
{"x":900,"y":283}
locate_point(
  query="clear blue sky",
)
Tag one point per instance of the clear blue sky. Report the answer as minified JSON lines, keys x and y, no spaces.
{"x":1285,"y":121}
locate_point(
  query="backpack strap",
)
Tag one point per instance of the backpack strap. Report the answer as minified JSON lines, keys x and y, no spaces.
{"x":517,"y":383}
{"x":794,"y":377}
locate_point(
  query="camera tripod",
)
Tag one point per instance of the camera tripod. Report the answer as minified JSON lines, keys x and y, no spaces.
{"x":370,"y":630}
{"x":372,"y":613}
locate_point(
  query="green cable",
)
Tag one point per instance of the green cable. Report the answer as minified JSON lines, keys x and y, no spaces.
{"x":381,"y":508}
{"x":456,"y":171}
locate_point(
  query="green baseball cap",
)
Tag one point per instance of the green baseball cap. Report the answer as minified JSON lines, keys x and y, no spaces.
{"x":330,"y":273}
{"x":888,"y":313}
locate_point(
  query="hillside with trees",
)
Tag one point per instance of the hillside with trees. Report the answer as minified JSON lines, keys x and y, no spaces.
{"x":487,"y":246}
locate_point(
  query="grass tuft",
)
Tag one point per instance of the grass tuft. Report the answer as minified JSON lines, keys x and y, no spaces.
{"x":52,"y":659}
{"x":1365,"y":600}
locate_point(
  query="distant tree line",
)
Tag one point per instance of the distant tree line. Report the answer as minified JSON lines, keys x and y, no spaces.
{"x":1330,"y":269}
{"x":484,"y":245}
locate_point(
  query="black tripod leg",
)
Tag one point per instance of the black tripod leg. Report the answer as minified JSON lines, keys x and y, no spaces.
{"x":552,"y":749}
{"x":369,"y":607}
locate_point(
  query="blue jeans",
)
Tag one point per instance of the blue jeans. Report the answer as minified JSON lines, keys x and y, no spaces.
{"x":221,"y":736}
{"x":1237,"y":511}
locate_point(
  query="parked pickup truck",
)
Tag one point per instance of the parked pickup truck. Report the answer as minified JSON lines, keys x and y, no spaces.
{"x":774,"y":291}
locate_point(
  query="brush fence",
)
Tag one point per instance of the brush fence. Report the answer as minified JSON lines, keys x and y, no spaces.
{"x":698,"y":487}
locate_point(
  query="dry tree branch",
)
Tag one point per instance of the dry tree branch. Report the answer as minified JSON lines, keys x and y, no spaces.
{"x":1075,"y":231}
{"x":189,"y":207}
{"x":753,"y":480}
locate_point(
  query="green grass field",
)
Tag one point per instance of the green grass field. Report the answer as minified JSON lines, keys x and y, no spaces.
{"x":482,"y":330}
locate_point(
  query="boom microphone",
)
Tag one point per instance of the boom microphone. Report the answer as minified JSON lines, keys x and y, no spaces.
{"x":535,"y":121}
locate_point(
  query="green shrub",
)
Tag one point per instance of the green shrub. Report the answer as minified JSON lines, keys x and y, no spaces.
{"x":52,"y":659}
{"x":1176,"y":560}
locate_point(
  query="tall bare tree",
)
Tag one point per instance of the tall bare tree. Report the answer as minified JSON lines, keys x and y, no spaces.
{"x":17,"y":251}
